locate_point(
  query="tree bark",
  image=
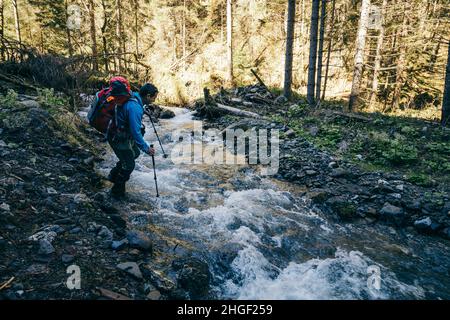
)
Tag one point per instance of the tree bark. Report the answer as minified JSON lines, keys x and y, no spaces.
{"x":313,"y":51}
{"x":93,"y":35}
{"x":136,"y":28}
{"x":359,"y":55}
{"x":2,"y":30}
{"x":119,"y":34}
{"x":69,"y":36}
{"x":16,"y":20}
{"x":104,"y":41}
{"x":289,"y":49}
{"x":230,"y":41}
{"x":445,"y":119}
{"x":377,"y":60}
{"x":320,"y":52}
{"x":399,"y":73}
{"x":330,"y":42}
{"x":184,"y":33}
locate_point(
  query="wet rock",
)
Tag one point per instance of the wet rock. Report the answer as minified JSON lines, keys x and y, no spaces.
{"x":392,"y":213}
{"x":43,"y":235}
{"x":131,"y":268}
{"x":45,"y":247}
{"x":119,"y":245}
{"x":139,"y":240}
{"x":167,"y":114}
{"x":339,"y":172}
{"x":67,"y":258}
{"x":426,"y":225}
{"x":154,"y":295}
{"x":157,"y":278}
{"x":193,"y":276}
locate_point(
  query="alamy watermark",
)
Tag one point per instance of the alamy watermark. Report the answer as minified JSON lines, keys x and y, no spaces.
{"x":228,"y":147}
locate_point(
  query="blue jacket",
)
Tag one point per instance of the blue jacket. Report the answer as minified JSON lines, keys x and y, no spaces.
{"x":134,"y":110}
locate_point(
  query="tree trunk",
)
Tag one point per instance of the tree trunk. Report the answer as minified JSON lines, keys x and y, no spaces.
{"x":69,"y":36}
{"x":320,"y":53}
{"x":119,"y":34}
{"x":104,"y":41}
{"x":2,"y":30}
{"x":289,"y":49}
{"x":359,"y":55}
{"x":301,"y":44}
{"x":377,"y":59}
{"x":399,"y":72}
{"x":93,"y":35}
{"x":16,"y":20}
{"x":136,"y":29}
{"x":184,"y":34}
{"x":330,"y":40}
{"x":313,"y":51}
{"x":445,"y":119}
{"x":230,"y":41}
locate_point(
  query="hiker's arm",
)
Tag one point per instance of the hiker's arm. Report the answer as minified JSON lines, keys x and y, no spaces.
{"x":135,"y":118}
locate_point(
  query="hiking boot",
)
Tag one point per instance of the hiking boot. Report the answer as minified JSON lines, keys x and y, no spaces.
{"x":118,"y":190}
{"x":112,"y":176}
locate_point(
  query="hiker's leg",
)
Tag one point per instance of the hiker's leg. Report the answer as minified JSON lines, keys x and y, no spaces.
{"x":114,"y":171}
{"x":125,"y":167}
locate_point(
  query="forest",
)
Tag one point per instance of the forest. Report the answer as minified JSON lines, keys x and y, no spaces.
{"x":387,"y":56}
{"x":353,"y":97}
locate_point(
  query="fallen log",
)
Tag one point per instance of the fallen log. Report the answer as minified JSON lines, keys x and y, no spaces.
{"x":238,"y":112}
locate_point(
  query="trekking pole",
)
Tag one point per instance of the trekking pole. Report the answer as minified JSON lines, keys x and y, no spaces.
{"x":154,"y":174}
{"x":154,"y":129}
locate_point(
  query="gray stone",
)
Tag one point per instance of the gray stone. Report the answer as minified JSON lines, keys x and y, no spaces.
{"x":131,"y":268}
{"x":105,"y":233}
{"x":311,"y":172}
{"x":118,"y":245}
{"x":281,"y":100}
{"x":139,"y":240}
{"x":75,"y":230}
{"x":425,"y":222}
{"x":167,"y":114}
{"x":67,"y":258}
{"x":392,"y":213}
{"x":51,"y":191}
{"x":339,"y":172}
{"x":89,"y":161}
{"x":290,"y":133}
{"x":313,"y":131}
{"x":45,"y":247}
{"x":5,"y":207}
{"x":154,"y":295}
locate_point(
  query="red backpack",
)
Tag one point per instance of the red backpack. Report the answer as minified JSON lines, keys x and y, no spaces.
{"x":104,"y":107}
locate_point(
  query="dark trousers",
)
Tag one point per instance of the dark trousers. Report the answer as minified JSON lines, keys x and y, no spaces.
{"x":127,"y":152}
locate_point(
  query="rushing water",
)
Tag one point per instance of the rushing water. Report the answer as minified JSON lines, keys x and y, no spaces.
{"x":263,"y":240}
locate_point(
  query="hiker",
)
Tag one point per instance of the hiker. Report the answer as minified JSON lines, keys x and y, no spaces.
{"x":126,"y":146}
{"x":125,"y":130}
